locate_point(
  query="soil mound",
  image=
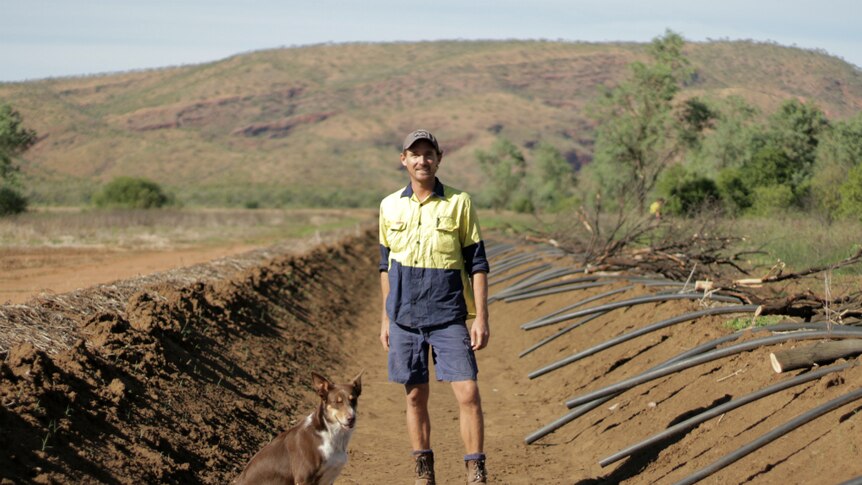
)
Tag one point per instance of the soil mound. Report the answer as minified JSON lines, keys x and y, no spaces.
{"x":173,"y":379}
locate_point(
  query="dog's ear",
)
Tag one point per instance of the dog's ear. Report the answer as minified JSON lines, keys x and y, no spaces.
{"x":357,"y":382}
{"x":321,"y":384}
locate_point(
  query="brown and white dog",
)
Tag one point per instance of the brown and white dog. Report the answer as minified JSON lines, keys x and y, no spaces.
{"x":315,"y":450}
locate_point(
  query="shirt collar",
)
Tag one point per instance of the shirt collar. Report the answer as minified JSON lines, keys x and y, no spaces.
{"x":438,"y":189}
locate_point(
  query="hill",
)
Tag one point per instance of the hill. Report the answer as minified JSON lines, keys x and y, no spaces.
{"x":321,"y":124}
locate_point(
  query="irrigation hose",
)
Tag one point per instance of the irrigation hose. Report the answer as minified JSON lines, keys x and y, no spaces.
{"x":708,"y":357}
{"x":529,"y":270}
{"x":559,"y":334}
{"x":853,"y":481}
{"x":581,"y":303}
{"x":640,"y":332}
{"x":721,"y":409}
{"x":630,"y":302}
{"x":537,"y":291}
{"x":700,"y":349}
{"x":769,"y":437}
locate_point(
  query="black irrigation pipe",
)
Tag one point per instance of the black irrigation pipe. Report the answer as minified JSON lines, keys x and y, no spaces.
{"x":524,"y":284}
{"x":531,"y":269}
{"x":523,"y":258}
{"x":771,"y":436}
{"x":631,"y":382}
{"x":559,"y":334}
{"x":639,"y":332}
{"x":631,"y":302}
{"x":588,"y":300}
{"x":700,"y":349}
{"x":513,"y":291}
{"x":580,"y":303}
{"x":719,"y":410}
{"x":563,"y":288}
{"x":498,"y":249}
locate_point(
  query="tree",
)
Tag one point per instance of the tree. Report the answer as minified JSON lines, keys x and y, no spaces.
{"x":730,"y":141}
{"x":131,"y":193}
{"x":685,"y":192}
{"x":851,"y":194}
{"x":14,"y":141}
{"x":552,"y":180}
{"x":838,"y":153}
{"x":636,"y":136}
{"x":505,"y":167}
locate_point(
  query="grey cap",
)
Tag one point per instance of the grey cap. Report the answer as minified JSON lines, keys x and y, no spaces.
{"x":420,"y":135}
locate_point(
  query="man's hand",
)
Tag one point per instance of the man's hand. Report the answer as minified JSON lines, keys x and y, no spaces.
{"x":384,"y":334}
{"x":480,"y":332}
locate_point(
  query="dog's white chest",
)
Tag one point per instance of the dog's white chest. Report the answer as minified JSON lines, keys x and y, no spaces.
{"x":333,"y":451}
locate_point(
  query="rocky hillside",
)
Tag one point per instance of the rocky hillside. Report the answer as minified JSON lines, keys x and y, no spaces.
{"x":299,"y":125}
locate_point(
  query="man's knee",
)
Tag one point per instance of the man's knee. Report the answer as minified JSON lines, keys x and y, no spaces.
{"x":417,"y":395}
{"x":467,"y":393}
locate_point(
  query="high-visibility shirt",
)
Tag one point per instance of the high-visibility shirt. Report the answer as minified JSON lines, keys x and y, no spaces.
{"x":430,"y":249}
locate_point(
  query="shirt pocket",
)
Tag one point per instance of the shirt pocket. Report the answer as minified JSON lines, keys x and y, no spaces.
{"x":397,"y":236}
{"x":447,"y":234}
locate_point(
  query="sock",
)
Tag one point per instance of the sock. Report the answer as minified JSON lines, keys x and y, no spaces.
{"x":474,"y":456}
{"x":422,"y":452}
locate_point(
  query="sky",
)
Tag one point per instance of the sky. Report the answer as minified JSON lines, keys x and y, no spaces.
{"x":53,"y":38}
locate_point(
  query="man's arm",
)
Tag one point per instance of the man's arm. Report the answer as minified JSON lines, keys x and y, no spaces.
{"x":480,"y":331}
{"x":384,"y":319}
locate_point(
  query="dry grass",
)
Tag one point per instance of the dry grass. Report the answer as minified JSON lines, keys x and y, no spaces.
{"x":171,"y":228}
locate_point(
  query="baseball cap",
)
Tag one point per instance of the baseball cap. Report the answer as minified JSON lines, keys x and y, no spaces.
{"x":420,"y":135}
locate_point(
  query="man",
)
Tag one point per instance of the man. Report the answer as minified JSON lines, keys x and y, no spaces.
{"x":434,"y":277}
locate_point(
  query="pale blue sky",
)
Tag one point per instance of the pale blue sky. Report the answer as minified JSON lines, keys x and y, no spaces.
{"x":46,"y":38}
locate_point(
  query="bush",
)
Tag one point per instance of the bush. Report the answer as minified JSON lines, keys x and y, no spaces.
{"x":772,"y":199}
{"x":851,"y":193}
{"x":686,"y":193}
{"x":734,"y":191}
{"x":131,"y":193}
{"x":11,"y":202}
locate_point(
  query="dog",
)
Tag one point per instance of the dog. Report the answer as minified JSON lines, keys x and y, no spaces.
{"x":315,"y":450}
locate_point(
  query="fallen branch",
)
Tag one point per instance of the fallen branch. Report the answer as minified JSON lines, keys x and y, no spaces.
{"x":819,"y":353}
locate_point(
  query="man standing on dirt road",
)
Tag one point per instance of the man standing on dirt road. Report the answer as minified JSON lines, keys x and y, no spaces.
{"x":433,"y":273}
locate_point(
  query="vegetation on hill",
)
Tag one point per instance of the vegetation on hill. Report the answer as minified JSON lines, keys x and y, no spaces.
{"x":15,"y":139}
{"x":320,"y":125}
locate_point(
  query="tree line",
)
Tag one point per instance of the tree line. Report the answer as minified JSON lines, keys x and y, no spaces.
{"x":655,"y":144}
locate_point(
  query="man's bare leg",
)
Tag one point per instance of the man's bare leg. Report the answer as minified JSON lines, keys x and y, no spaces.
{"x":471,"y":417}
{"x":418,"y":421}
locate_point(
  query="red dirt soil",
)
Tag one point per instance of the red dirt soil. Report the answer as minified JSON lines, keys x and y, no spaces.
{"x":180,"y":379}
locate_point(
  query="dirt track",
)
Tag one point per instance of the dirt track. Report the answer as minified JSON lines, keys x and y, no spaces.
{"x":182,"y":382}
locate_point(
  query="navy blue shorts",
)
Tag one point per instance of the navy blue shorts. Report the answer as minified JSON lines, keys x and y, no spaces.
{"x":453,"y":356}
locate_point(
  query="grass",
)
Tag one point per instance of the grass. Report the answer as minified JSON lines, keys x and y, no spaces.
{"x":801,"y":241}
{"x":740,"y":323}
{"x":170,"y":228}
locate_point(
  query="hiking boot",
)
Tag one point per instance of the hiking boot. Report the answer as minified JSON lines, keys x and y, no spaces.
{"x":425,"y":469}
{"x":476,"y":472}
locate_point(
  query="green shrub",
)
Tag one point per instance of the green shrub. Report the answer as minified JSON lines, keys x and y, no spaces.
{"x":734,"y":191}
{"x":131,"y":193}
{"x":11,"y":202}
{"x":772,"y":199}
{"x":851,"y":193}
{"x":686,"y":193}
